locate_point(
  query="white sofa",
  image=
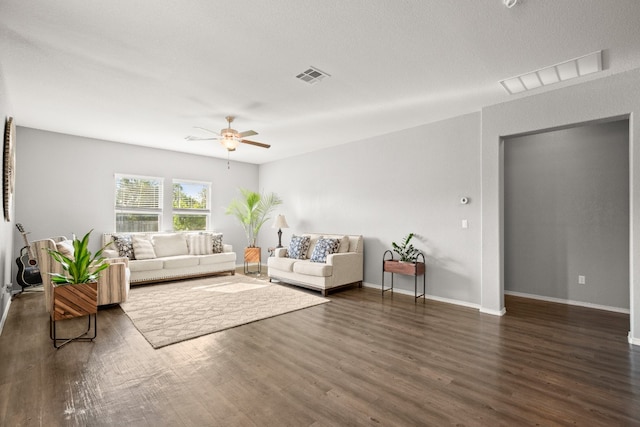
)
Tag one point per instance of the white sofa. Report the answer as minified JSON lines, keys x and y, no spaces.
{"x":173,"y":256}
{"x":342,"y":268}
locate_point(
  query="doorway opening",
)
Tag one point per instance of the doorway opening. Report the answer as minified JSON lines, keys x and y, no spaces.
{"x":566,"y":215}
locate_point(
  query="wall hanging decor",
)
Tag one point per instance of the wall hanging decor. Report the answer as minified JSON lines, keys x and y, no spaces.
{"x":9,"y":165}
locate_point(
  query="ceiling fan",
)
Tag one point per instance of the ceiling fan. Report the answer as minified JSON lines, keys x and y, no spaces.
{"x":229,"y":138}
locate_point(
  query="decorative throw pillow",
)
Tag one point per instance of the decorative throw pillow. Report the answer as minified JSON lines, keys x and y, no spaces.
{"x":124,"y":244}
{"x":298,"y":246}
{"x":171,"y":244}
{"x":200,"y":244}
{"x":324,"y":248}
{"x":65,"y":247}
{"x":217,"y":243}
{"x":143,"y":248}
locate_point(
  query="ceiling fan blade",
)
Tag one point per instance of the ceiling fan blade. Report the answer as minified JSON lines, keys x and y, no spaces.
{"x":197,"y":138}
{"x":247,"y":133}
{"x":205,"y":129}
{"x":257,"y":144}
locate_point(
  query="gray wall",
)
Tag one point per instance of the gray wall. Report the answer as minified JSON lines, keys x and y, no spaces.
{"x":608,"y":97}
{"x":566,"y":213}
{"x":382,"y":187}
{"x":7,"y":255}
{"x":65,"y":184}
{"x":388,"y":186}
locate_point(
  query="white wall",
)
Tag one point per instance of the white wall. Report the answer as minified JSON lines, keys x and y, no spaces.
{"x":566,"y":213}
{"x":614,"y":96}
{"x":7,"y":255}
{"x":388,"y":186}
{"x":65,"y":184}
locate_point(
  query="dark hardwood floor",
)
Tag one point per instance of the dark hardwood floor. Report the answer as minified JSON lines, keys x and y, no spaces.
{"x":359,"y":360}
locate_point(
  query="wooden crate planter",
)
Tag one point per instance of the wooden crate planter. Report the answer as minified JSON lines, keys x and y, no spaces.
{"x":71,"y":301}
{"x":408,"y":268}
{"x":252,"y":256}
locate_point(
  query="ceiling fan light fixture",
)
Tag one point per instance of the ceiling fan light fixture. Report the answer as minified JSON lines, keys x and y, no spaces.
{"x":229,"y":142}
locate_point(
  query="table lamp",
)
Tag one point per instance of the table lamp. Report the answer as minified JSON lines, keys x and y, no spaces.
{"x":280,"y":223}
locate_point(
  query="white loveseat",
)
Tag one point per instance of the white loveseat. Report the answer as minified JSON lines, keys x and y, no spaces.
{"x":171,"y":256}
{"x":344,"y":267}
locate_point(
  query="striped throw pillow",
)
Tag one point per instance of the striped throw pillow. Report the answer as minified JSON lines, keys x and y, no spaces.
{"x":200,"y":244}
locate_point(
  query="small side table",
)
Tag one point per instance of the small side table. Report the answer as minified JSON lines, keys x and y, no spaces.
{"x":415,"y":269}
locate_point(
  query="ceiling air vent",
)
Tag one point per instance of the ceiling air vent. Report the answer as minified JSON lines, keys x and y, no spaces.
{"x":571,"y":69}
{"x":312,"y":75}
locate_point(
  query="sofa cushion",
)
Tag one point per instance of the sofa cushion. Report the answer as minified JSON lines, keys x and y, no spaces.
{"x":200,"y":244}
{"x":344,"y":245}
{"x":180,"y":261}
{"x":282,"y":264}
{"x":143,"y":248}
{"x":146,"y":265}
{"x":217,"y":258}
{"x":313,"y":268}
{"x":298,"y":247}
{"x":170,"y":245}
{"x":312,"y":245}
{"x":124,"y":245}
{"x":65,"y":247}
{"x":325,"y":247}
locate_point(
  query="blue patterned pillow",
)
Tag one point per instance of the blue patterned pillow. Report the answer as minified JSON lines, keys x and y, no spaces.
{"x":299,"y":246}
{"x":324,"y":248}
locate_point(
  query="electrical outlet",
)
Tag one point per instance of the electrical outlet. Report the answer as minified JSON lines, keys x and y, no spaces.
{"x":581,"y":280}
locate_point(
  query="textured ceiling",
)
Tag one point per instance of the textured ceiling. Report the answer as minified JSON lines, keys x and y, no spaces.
{"x":146,"y":72}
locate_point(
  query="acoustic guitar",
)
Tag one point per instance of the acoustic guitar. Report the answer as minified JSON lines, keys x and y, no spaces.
{"x":28,"y":270}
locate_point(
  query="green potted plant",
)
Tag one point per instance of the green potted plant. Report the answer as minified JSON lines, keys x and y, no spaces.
{"x":405,"y":249}
{"x":83,"y":267}
{"x":408,"y":262}
{"x":252,"y":211}
{"x":75,"y":293}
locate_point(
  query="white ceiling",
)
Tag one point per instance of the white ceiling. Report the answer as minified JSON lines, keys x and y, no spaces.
{"x":147,"y":71}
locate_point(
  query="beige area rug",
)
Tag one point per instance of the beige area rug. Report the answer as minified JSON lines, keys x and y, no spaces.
{"x":172,"y":312}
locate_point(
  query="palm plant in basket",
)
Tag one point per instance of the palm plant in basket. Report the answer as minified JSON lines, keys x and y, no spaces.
{"x":252,"y":211}
{"x":83,"y":267}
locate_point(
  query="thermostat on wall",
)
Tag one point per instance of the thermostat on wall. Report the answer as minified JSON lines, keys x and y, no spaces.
{"x":464,"y":200}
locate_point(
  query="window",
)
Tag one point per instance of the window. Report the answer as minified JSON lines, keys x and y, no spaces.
{"x":191,"y":207}
{"x":138,"y":204}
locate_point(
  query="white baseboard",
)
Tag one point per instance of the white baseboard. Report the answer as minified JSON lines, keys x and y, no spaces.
{"x":494,"y":312}
{"x":569,"y":302}
{"x":431,"y":297}
{"x":4,"y":315}
{"x":633,"y":341}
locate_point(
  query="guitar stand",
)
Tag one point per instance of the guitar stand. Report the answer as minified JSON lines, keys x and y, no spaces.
{"x":81,"y":337}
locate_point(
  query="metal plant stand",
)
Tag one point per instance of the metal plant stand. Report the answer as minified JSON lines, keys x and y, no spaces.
{"x":415,"y":269}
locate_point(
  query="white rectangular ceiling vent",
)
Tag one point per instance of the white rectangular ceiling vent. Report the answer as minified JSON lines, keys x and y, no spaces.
{"x":577,"y":67}
{"x":312,"y":75}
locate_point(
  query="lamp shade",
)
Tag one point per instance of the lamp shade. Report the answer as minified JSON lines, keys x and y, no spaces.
{"x":280,"y":222}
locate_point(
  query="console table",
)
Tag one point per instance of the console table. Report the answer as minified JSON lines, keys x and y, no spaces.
{"x":415,"y":269}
